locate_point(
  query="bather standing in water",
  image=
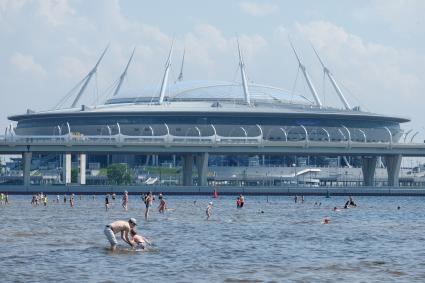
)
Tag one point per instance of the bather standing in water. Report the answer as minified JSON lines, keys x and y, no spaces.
{"x":241,"y":200}
{"x":107,"y":202}
{"x":148,"y":204}
{"x":125,"y":201}
{"x":209,"y":210}
{"x":162,"y":204}
{"x":71,"y":200}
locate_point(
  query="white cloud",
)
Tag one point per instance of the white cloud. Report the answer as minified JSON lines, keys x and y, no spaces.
{"x":378,"y":74}
{"x":403,"y":16}
{"x":258,"y":9}
{"x":7,"y":6}
{"x":26,"y":64}
{"x":72,"y":68}
{"x":55,"y":12}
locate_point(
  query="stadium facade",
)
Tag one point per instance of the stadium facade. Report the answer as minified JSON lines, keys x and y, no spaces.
{"x":210,"y":109}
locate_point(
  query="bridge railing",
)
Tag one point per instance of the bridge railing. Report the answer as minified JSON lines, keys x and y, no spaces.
{"x":168,"y":139}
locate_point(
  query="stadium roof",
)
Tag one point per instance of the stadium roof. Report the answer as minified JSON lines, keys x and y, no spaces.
{"x":209,"y":91}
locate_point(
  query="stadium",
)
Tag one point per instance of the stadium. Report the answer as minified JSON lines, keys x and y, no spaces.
{"x":206,"y":111}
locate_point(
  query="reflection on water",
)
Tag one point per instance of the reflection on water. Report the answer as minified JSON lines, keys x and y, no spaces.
{"x":371,"y":243}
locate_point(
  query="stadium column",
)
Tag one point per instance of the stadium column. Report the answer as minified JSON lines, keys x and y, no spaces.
{"x":368,"y":169}
{"x":82,"y":175}
{"x":202,"y":165}
{"x":187,"y":169}
{"x":393,"y":169}
{"x":66,"y":171}
{"x":27,"y":156}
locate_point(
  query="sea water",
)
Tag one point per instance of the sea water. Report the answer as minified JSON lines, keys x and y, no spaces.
{"x":375,"y":242}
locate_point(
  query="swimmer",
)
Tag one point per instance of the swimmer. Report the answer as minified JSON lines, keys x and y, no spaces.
{"x":335,"y":208}
{"x":350,"y":203}
{"x":139,"y":240}
{"x":398,"y":207}
{"x":125,"y":201}
{"x":162,"y":204}
{"x":326,"y":220}
{"x":209,"y":210}
{"x":260,"y":211}
{"x":120,"y":226}
{"x":148,"y":204}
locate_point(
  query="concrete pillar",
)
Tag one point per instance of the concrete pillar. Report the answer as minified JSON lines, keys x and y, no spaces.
{"x":393,"y":169}
{"x":66,"y":169}
{"x":202,"y":165}
{"x":26,"y":166}
{"x":368,"y":169}
{"x":187,"y":169}
{"x":82,"y":175}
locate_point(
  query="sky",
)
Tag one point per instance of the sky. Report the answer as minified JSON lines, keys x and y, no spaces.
{"x":374,"y":48}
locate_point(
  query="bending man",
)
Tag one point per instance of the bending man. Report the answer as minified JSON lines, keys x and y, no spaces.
{"x":119,"y":226}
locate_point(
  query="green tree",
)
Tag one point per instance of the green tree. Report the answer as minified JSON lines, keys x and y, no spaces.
{"x":119,"y":174}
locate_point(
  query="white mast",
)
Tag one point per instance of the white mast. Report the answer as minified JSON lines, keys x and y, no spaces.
{"x":243,"y":75}
{"x":165,"y":78}
{"x":307,"y":78}
{"x":180,"y":78}
{"x":334,"y":84}
{"x":122,"y":77}
{"x":88,"y":78}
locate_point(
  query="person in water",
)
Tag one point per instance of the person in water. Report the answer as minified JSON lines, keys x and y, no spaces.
{"x":121,"y":226}
{"x":238,"y":202}
{"x":148,"y":204}
{"x":107,"y":202}
{"x":71,"y":200}
{"x":125,"y":201}
{"x":139,"y":241}
{"x":242,"y":200}
{"x":162,"y":204}
{"x":350,"y":203}
{"x":209,"y":210}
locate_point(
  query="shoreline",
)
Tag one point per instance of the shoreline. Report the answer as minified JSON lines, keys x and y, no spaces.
{"x":195,"y":190}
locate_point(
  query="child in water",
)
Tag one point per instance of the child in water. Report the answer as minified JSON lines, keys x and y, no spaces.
{"x":140,"y":241}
